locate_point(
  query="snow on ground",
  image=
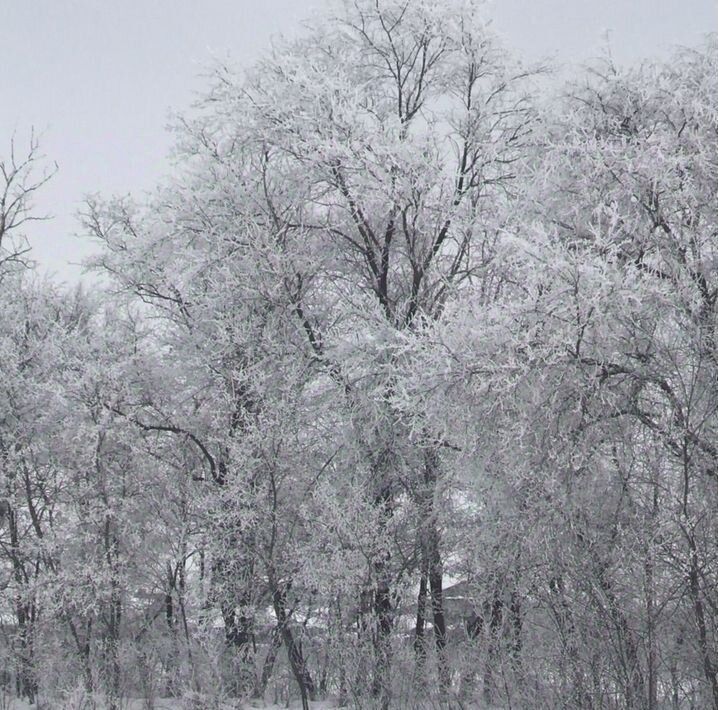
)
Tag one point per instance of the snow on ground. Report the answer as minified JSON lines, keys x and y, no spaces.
{"x":164,"y":704}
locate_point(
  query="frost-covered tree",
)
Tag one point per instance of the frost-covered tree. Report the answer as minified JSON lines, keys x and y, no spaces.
{"x":593,"y":384}
{"x":334,"y":198}
{"x":400,"y":389}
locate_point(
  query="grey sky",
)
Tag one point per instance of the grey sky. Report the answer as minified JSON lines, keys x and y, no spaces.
{"x":97,"y":78}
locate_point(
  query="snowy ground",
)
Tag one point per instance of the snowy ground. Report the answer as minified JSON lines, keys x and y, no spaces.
{"x":162,"y":704}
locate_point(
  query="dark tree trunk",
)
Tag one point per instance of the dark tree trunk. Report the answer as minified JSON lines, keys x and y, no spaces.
{"x":437,"y":608}
{"x":113,"y":646}
{"x":635,"y":692}
{"x":83,"y":651}
{"x":24,"y":612}
{"x":169,"y":603}
{"x":295,"y":655}
{"x":382,"y":613}
{"x":114,"y":616}
{"x":239,"y":637}
{"x":171,"y":619}
{"x":563,"y":616}
{"x":420,"y":629}
{"x":474,"y":624}
{"x":652,"y":660}
{"x":495,"y":619}
{"x":435,"y":568}
{"x":27,"y":684}
{"x":229,"y":593}
{"x":237,"y":630}
{"x":699,"y":616}
{"x":275,"y":643}
{"x":365,"y":634}
{"x":517,"y":630}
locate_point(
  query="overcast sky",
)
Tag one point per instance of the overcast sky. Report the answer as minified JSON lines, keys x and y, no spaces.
{"x":98,"y":78}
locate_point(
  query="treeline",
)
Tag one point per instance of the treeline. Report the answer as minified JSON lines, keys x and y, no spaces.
{"x":401,"y":391}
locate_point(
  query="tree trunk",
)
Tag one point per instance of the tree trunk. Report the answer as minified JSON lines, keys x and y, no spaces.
{"x":27,"y":684}
{"x":239,"y":637}
{"x":114,"y":615}
{"x":420,"y":629}
{"x":435,"y":568}
{"x":24,"y":613}
{"x":516,"y":616}
{"x":229,"y":593}
{"x":563,"y":615}
{"x":113,"y":646}
{"x":275,"y":644}
{"x":381,"y":687}
{"x":495,"y":614}
{"x":436,"y":578}
{"x":295,"y":655}
{"x":709,"y":669}
{"x":83,"y":651}
{"x":381,"y":612}
{"x":652,"y":669}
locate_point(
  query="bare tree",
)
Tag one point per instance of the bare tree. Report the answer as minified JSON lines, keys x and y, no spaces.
{"x":22,"y":174}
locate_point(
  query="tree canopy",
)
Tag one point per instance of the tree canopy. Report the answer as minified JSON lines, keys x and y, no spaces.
{"x":400,"y":391}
